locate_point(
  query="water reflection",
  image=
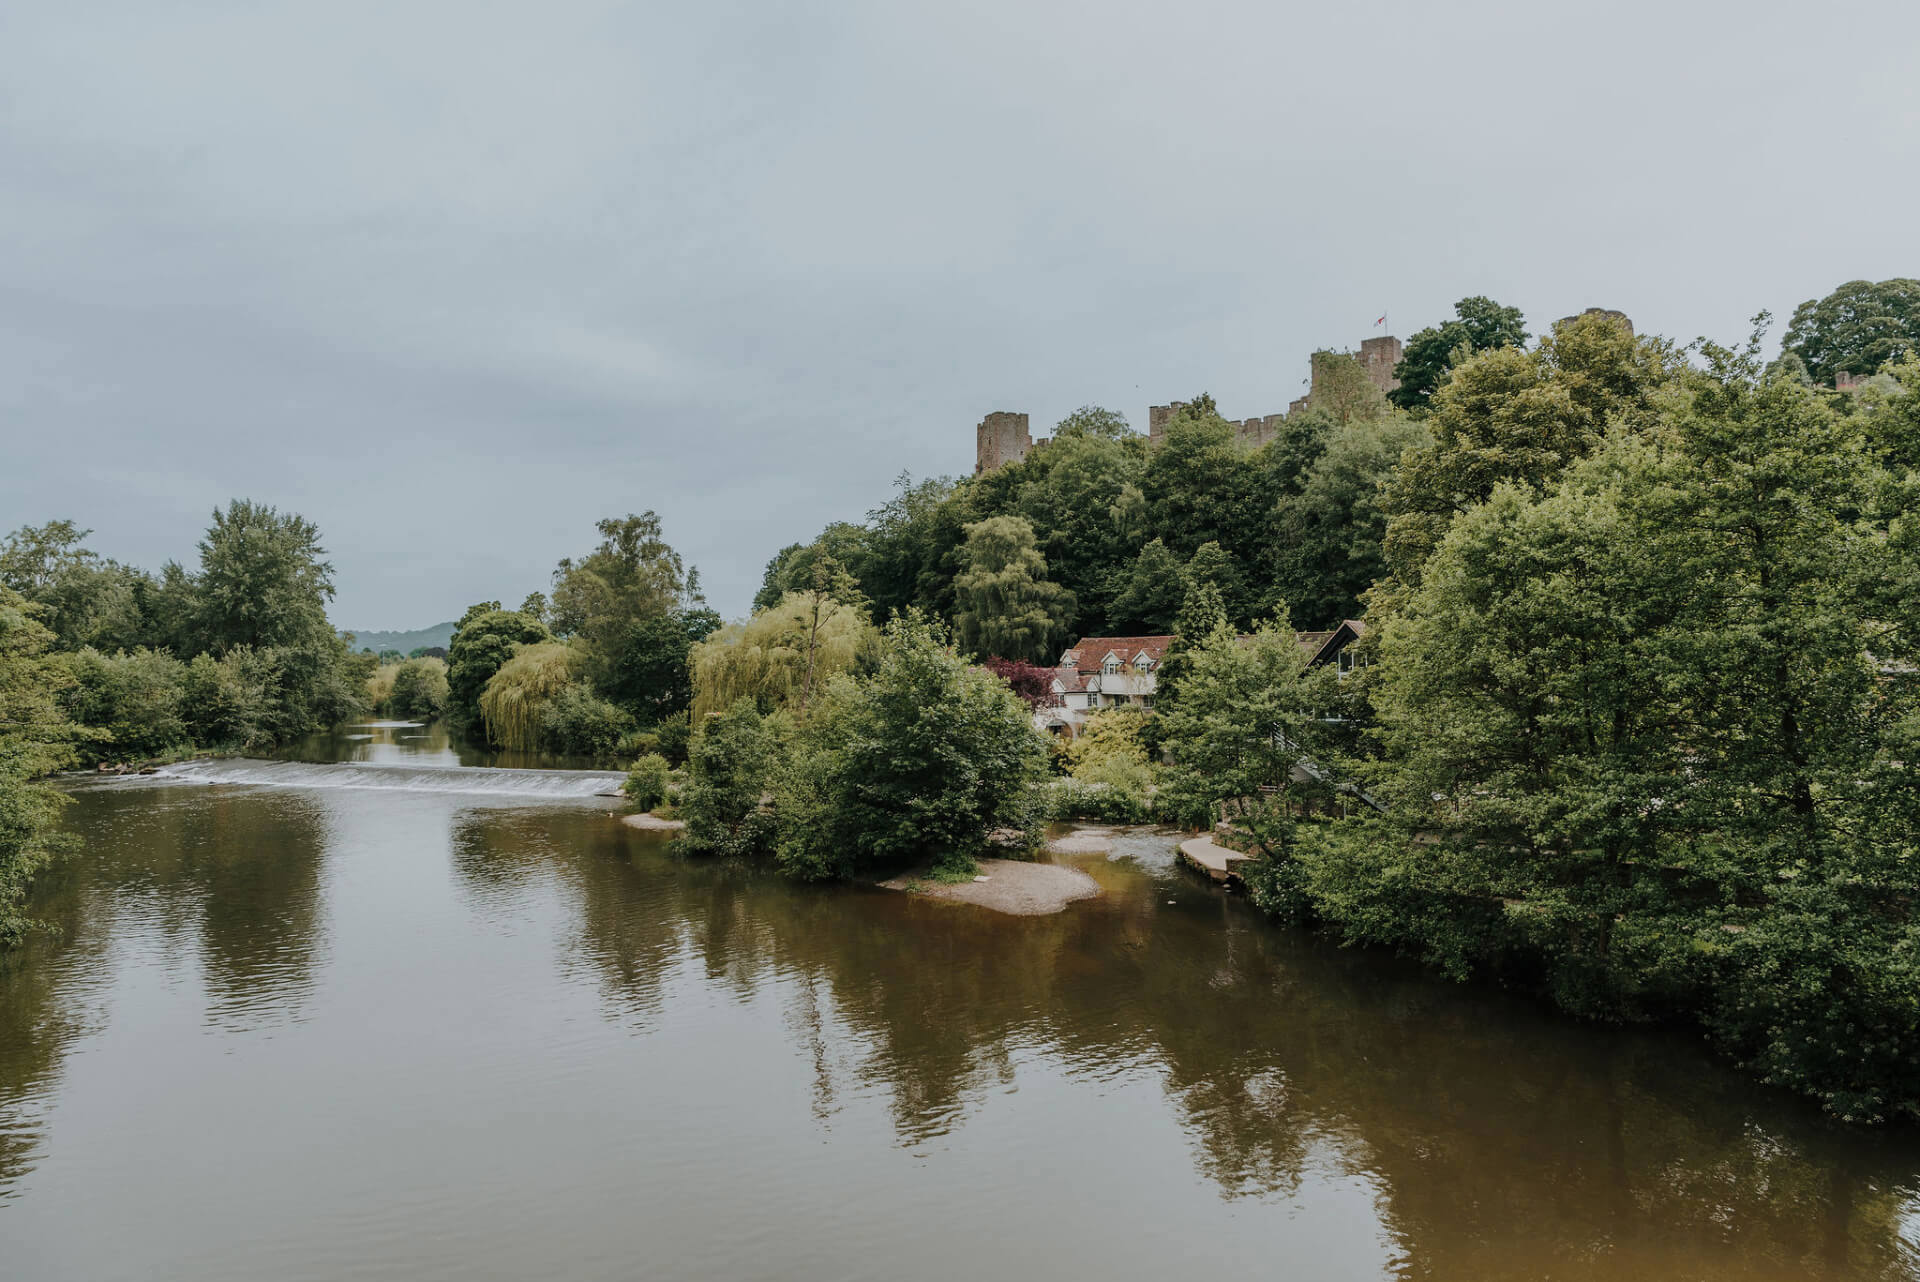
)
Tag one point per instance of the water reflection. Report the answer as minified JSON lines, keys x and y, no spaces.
{"x":449,"y":943}
{"x":417,"y":743}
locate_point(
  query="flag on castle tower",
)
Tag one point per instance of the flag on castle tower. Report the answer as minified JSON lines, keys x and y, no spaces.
{"x":1381,"y":321}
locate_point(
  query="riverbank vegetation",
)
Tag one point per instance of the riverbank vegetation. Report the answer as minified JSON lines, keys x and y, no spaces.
{"x":1632,"y":723}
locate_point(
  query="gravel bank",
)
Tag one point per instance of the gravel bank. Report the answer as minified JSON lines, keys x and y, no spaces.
{"x":1022,"y":889}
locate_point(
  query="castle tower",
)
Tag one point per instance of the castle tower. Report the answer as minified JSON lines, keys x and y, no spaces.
{"x":1378,"y":356}
{"x":1159,"y":418}
{"x":1001,"y":438}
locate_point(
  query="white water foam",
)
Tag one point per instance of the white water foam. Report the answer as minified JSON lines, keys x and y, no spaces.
{"x":476,"y":780}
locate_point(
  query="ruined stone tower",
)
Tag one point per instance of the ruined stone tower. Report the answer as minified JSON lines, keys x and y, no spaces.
{"x":1001,"y":438}
{"x":1378,"y":356}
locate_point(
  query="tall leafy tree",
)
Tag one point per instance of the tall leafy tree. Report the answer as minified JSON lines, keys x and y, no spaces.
{"x":1328,"y":549}
{"x":262,"y":581}
{"x":34,"y":741}
{"x":1156,"y":585}
{"x":1479,"y":325}
{"x":1009,"y":608}
{"x":483,"y":641}
{"x":1509,"y":415}
{"x":1860,"y":328}
{"x":85,"y":598}
{"x":633,"y":612}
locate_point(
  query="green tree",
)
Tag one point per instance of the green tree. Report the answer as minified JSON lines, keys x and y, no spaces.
{"x":784,"y":654}
{"x":1509,"y":415}
{"x":261,"y":582}
{"x":1331,"y":544}
{"x":730,"y":767}
{"x":1479,"y":325}
{"x":1236,"y":728}
{"x":791,"y":569}
{"x":629,"y":607}
{"x":483,"y":640}
{"x":1093,"y":421}
{"x":85,"y":599}
{"x":922,"y":760}
{"x":1111,"y":749}
{"x":34,"y":741}
{"x":419,"y":690}
{"x":517,"y":696}
{"x":1200,"y":488}
{"x":1156,"y":586}
{"x":1008,"y":607}
{"x":136,"y":697}
{"x":1860,"y":328}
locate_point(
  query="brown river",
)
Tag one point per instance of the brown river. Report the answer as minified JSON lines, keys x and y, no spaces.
{"x":408,"y":1020}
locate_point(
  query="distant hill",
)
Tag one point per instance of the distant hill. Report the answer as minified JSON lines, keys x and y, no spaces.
{"x":439,"y":634}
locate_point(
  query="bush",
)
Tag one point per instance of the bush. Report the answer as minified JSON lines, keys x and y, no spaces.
{"x":920,"y":761}
{"x":136,"y":697}
{"x":674,"y":737}
{"x":578,"y":722}
{"x":234,"y":700}
{"x":1069,"y":799}
{"x":419,"y":690}
{"x":730,"y":764}
{"x":646,"y":785}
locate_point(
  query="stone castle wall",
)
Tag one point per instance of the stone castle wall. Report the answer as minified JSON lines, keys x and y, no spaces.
{"x":1004,"y":438}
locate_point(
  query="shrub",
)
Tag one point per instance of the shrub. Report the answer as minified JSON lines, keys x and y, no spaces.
{"x":234,"y":700}
{"x":674,"y":736}
{"x":921,"y":760}
{"x":646,"y":785}
{"x":135,"y":697}
{"x":730,"y":763}
{"x":1068,"y":799}
{"x":419,"y":690}
{"x":578,"y":722}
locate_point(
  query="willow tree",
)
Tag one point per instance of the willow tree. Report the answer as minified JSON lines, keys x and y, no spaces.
{"x":1008,"y":608}
{"x":519,"y":692}
{"x":782,"y":656}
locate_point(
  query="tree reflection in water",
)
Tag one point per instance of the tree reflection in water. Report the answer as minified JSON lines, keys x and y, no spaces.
{"x":1496,"y":1141}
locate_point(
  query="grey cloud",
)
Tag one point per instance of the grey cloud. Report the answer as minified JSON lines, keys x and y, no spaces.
{"x":455,"y":279}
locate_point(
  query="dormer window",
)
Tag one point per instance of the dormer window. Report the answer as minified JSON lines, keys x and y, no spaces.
{"x":1143,"y":661}
{"x":1111,"y":664}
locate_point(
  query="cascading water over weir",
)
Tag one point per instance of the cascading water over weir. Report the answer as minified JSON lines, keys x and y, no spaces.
{"x":553,"y":785}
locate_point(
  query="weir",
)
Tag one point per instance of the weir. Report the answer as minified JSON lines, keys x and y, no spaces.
{"x":475,"y":780}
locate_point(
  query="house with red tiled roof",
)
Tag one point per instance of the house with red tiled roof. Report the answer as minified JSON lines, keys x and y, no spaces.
{"x":1117,"y":672}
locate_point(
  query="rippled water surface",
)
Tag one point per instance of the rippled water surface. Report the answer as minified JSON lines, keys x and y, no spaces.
{"x":319,"y":1032}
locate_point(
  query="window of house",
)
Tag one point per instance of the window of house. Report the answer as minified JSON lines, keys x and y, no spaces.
{"x":1111,"y":666}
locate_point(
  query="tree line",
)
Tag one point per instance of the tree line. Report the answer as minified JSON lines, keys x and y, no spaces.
{"x":1632,"y":723}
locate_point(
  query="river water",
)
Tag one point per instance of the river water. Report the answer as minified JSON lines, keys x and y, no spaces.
{"x":309,"y":1028}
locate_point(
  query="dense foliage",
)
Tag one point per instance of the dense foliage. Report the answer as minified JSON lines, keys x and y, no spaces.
{"x":34,"y":740}
{"x":921,"y":761}
{"x":1860,"y":328}
{"x":235,"y":653}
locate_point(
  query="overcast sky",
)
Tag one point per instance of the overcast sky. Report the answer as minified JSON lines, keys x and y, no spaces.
{"x":455,"y":278}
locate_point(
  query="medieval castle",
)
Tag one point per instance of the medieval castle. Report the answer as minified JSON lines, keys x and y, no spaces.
{"x":1004,"y":437}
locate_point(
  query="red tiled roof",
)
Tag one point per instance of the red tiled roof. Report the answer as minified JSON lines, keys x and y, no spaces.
{"x":1088,"y":653}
